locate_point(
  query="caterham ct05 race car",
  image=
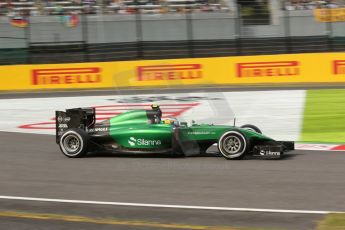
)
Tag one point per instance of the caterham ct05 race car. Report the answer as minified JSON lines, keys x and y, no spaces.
{"x":143,"y":131}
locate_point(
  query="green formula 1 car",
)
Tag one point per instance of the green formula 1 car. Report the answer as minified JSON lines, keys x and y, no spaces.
{"x":143,"y":131}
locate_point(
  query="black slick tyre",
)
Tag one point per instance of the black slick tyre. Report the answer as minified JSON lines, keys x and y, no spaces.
{"x":251,"y":128}
{"x":74,"y":143}
{"x":233,"y":145}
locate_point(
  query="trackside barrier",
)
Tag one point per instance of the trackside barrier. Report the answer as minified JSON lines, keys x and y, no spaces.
{"x":291,"y":68}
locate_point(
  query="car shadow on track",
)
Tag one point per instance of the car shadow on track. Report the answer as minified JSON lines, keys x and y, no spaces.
{"x":288,"y":156}
{"x":145,"y":155}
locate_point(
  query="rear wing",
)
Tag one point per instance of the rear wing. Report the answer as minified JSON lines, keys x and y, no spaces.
{"x":82,"y":118}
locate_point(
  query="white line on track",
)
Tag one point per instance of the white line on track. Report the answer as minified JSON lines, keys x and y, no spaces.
{"x":167,"y":205}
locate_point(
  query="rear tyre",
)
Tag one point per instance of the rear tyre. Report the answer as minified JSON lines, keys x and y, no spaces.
{"x":74,"y":143}
{"x":233,"y":145}
{"x":251,"y":128}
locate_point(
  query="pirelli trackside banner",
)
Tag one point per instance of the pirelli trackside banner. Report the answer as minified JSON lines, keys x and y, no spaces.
{"x":279,"y":69}
{"x":330,"y":15}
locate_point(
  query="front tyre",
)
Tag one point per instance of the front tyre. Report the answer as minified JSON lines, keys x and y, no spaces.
{"x":233,"y":145}
{"x":74,"y":143}
{"x":251,"y":128}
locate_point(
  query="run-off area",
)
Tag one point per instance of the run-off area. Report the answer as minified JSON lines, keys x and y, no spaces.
{"x":279,"y":114}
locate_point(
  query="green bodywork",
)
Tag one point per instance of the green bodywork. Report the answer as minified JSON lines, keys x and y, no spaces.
{"x":133,"y":130}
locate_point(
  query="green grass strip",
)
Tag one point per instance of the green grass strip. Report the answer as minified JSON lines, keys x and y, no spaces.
{"x":332,"y":222}
{"x":324,"y":116}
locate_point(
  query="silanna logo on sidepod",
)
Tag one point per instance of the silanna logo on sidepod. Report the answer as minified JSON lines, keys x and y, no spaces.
{"x":268,"y":69}
{"x":66,"y":76}
{"x":140,"y":141}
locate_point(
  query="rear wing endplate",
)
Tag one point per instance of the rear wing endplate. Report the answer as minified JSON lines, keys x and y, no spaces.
{"x":81,"y":118}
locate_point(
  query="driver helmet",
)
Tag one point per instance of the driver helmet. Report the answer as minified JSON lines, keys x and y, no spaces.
{"x":155,"y":106}
{"x":168,"y":121}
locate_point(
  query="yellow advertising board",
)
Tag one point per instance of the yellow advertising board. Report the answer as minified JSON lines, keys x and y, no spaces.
{"x":279,"y":69}
{"x":330,"y":15}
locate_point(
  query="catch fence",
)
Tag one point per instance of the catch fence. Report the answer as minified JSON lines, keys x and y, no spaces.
{"x":111,"y":37}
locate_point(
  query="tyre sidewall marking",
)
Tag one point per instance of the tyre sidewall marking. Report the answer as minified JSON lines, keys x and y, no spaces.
{"x":234,"y":155}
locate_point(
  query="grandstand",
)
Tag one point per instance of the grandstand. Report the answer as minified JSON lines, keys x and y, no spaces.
{"x":44,"y":31}
{"x":61,"y":7}
{"x":311,"y":4}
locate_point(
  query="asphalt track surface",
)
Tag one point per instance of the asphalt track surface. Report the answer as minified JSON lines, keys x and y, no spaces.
{"x":32,"y":166}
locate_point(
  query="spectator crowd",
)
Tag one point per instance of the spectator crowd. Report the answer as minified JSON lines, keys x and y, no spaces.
{"x":14,"y":8}
{"x":312,"y":4}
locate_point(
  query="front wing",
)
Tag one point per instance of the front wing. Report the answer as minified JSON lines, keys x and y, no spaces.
{"x":273,"y":150}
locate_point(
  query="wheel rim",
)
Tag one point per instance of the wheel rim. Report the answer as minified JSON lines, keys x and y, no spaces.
{"x":71,"y":143}
{"x":232,"y":145}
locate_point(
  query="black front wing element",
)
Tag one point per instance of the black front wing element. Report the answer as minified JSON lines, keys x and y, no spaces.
{"x":273,"y":150}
